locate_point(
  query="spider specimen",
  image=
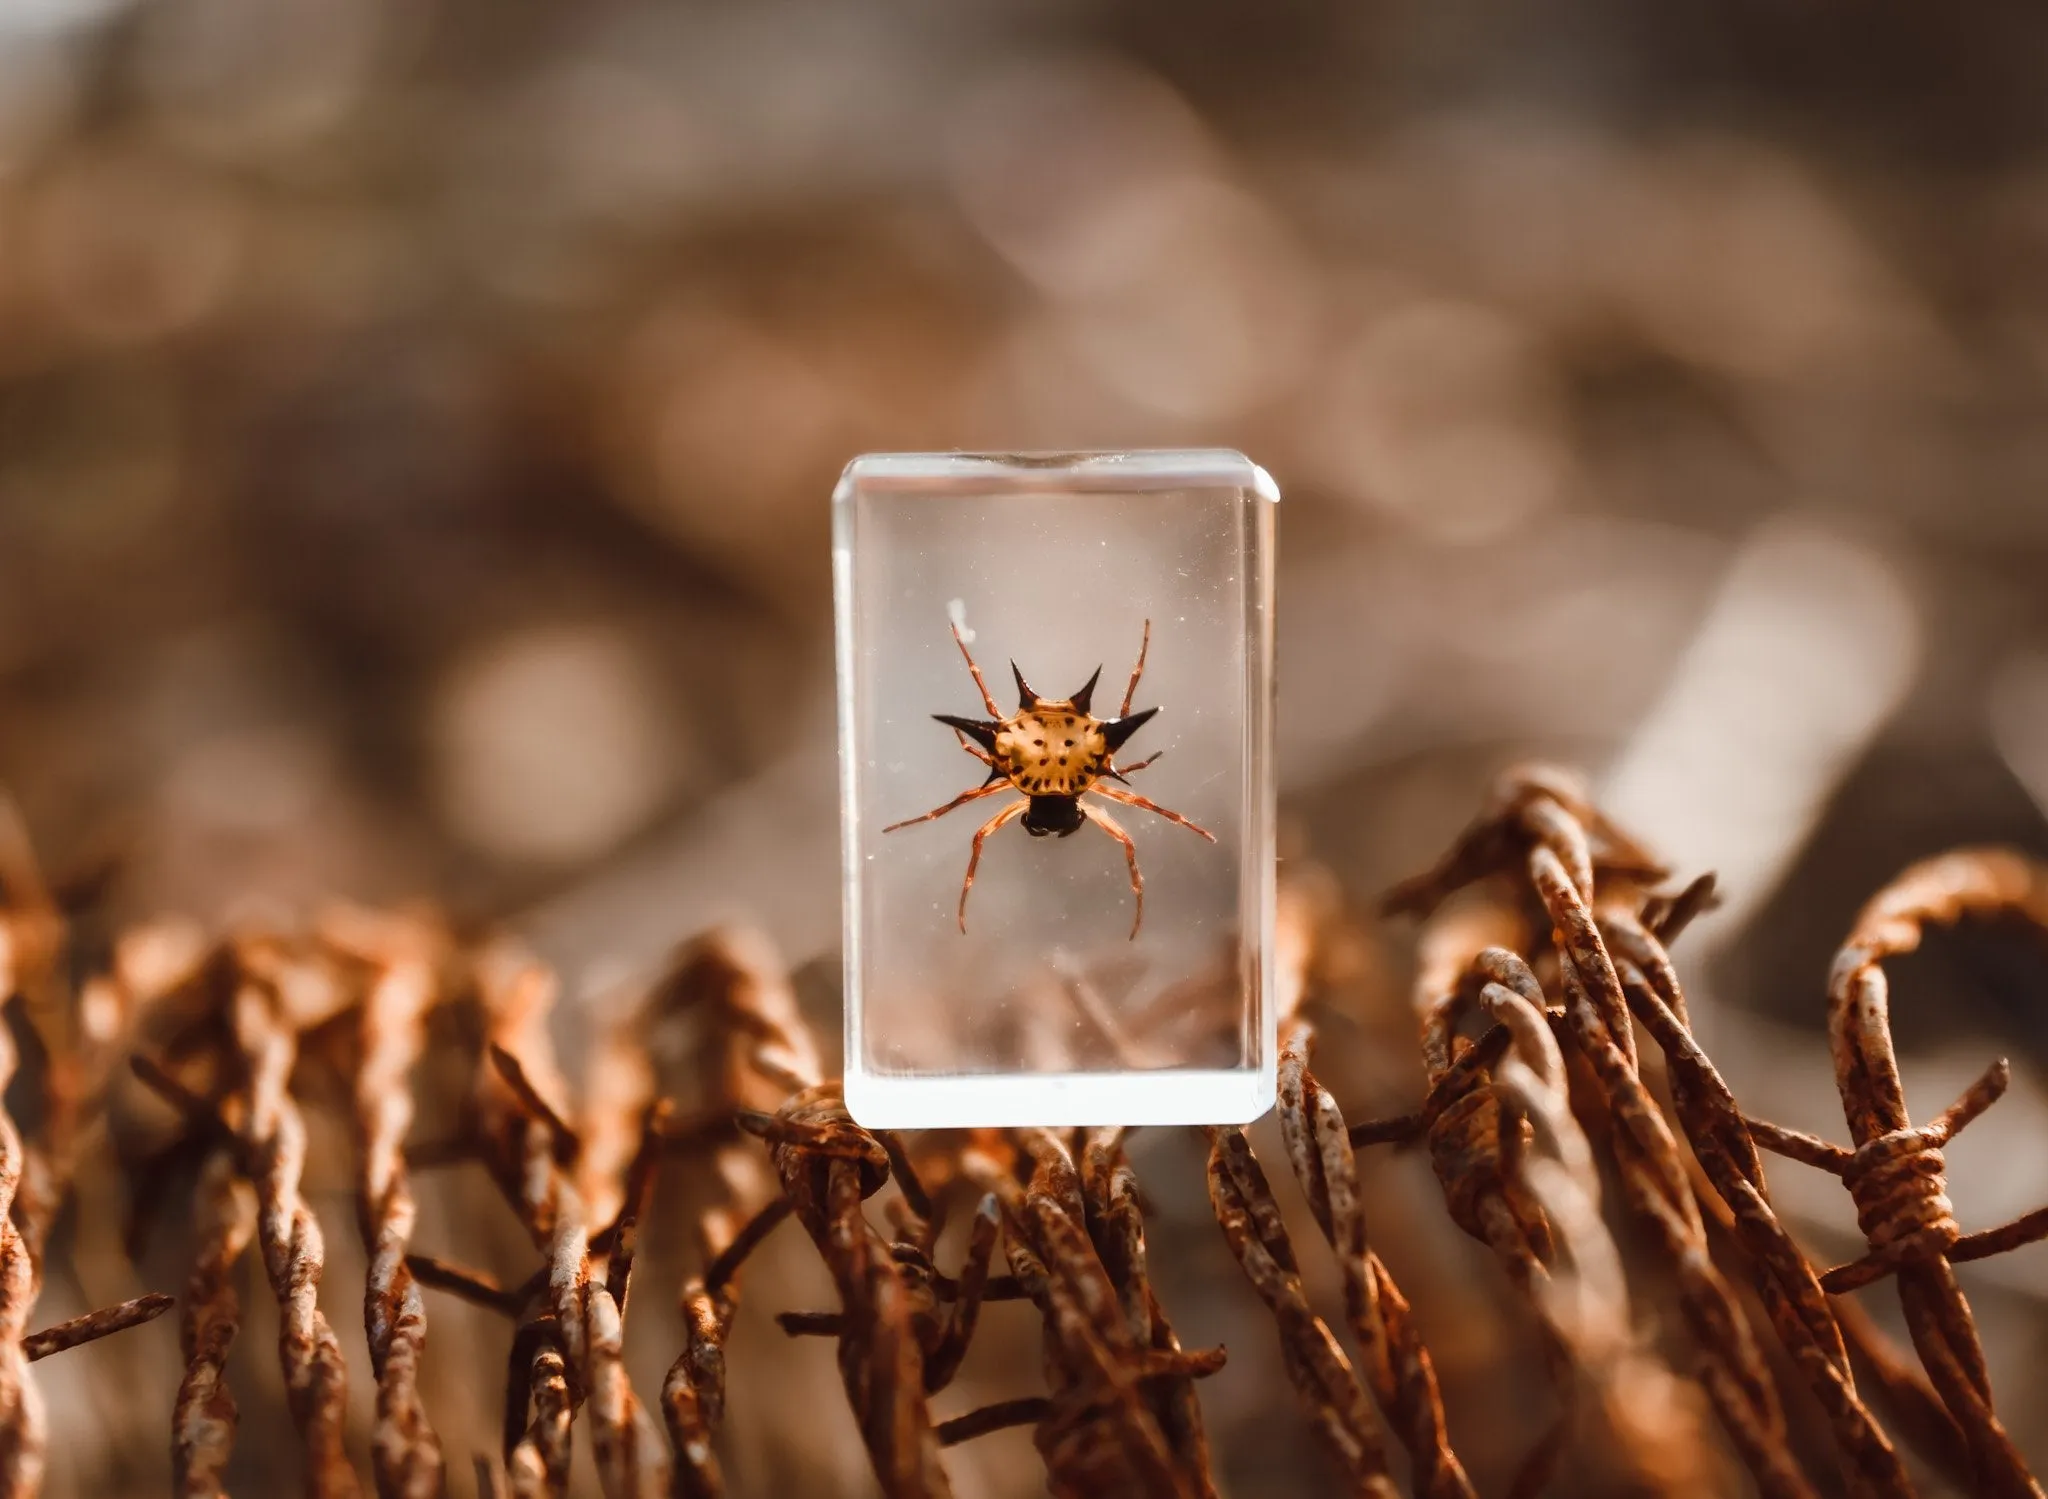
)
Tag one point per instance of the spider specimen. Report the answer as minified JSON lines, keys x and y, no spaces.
{"x":1053,"y":750}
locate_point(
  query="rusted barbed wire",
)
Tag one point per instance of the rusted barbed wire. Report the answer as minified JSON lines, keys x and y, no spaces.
{"x":29,"y":935}
{"x":1713,"y":1125}
{"x":1397,"y":1367}
{"x":278,"y":994}
{"x":399,"y":991}
{"x":576,"y":1350}
{"x":92,"y":1326}
{"x":1895,"y":1172}
{"x":35,"y":1178}
{"x":881,"y":1363}
{"x":1116,"y":1223}
{"x":203,"y":1422}
{"x":714,"y":1063}
{"x":1542,"y":828}
{"x":1644,"y":1430}
{"x":1326,"y":1386}
{"x":752,"y":1051}
{"x":22,"y":1428}
{"x":1472,"y":1122}
{"x":1118,"y":1376}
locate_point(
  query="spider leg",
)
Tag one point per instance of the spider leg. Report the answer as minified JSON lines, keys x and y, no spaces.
{"x":1014,"y":810}
{"x":1136,"y":671}
{"x":993,"y":711}
{"x":1132,"y":799}
{"x":1108,"y":825}
{"x":981,"y":754}
{"x":985,"y":789}
{"x":1118,"y":772}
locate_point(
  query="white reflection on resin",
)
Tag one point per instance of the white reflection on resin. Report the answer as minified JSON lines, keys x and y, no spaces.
{"x":1048,"y":1008}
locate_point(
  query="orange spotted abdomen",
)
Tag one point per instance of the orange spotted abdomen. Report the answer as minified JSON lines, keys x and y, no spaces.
{"x":1051,"y":750}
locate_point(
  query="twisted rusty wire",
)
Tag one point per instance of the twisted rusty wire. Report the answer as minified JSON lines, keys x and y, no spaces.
{"x":1327,"y":1388}
{"x":828,"y":1165}
{"x":1469,"y":1151}
{"x":1119,"y":1379}
{"x":405,"y":1454}
{"x":35,"y":1178}
{"x":575,"y":1352}
{"x":944,"y":1310}
{"x":751,"y":1051}
{"x":23,"y":1426}
{"x":1644,"y":1429}
{"x":632,"y":1459}
{"x":288,"y":1234}
{"x":224,"y":1210}
{"x":28,"y":938}
{"x":1119,"y":1414}
{"x":1542,"y":827}
{"x":1461,"y":1119}
{"x":521,"y":1139}
{"x":1397,"y":1366}
{"x":90,"y":1327}
{"x":1713,"y":1125}
{"x":203,"y":1421}
{"x":1895,"y":1172}
{"x":1483,"y":1100}
{"x":1116,"y":1223}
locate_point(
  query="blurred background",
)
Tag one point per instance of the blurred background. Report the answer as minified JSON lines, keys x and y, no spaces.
{"x":417,"y":422}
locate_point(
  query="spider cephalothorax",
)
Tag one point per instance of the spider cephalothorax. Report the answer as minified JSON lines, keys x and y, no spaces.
{"x":1053,"y":750}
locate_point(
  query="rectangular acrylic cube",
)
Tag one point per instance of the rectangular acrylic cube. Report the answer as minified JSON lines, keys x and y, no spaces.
{"x":1046,"y":1010}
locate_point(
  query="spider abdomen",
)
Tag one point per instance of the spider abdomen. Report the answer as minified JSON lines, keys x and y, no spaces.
{"x":1054,"y":749}
{"x":1057,"y":815}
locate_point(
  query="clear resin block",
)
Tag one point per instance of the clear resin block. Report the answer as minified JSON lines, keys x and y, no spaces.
{"x":1047,"y":1008}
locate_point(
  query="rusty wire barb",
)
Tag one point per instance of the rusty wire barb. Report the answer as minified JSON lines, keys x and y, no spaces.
{"x":30,"y":932}
{"x":574,"y":1353}
{"x":1894,"y":1173}
{"x":90,"y":1327}
{"x":1641,"y":1427}
{"x":1119,"y":1416}
{"x":1785,"y":1283}
{"x":1328,"y":1389}
{"x":828,"y":1165}
{"x":521,"y":1140}
{"x":1396,"y":1365}
{"x":78,"y":1041}
{"x":281,"y":991}
{"x":1116,"y":1224}
{"x":1326,"y":1386}
{"x":944,"y":1310}
{"x":1541,"y":827}
{"x":728,"y":1002}
{"x":203,"y":1421}
{"x":1488,"y":1100}
{"x":22,"y":1422}
{"x":399,"y":990}
{"x":713,"y":1061}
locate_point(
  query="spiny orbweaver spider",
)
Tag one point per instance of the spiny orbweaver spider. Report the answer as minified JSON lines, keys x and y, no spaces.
{"x":1053,"y":750}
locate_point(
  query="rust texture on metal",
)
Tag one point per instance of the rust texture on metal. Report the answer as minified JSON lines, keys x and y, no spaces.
{"x":1894,"y":1171}
{"x":1541,"y":829}
{"x":78,"y":1042}
{"x":399,"y":989}
{"x":1575,"y":1127}
{"x":1396,"y":1366}
{"x":1121,"y":1415}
